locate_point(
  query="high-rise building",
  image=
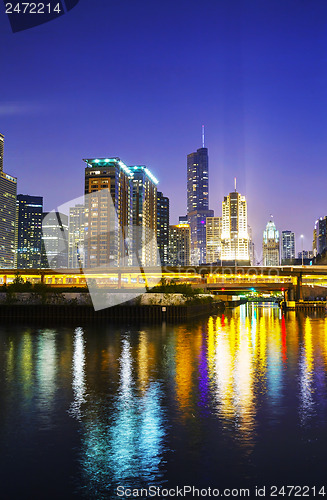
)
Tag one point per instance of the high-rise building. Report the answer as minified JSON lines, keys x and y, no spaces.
{"x":213,"y":235}
{"x":251,"y":247}
{"x":8,"y":193}
{"x":179,"y":245}
{"x":288,"y":246}
{"x":163,"y":227}
{"x":198,"y":202}
{"x":198,"y":180}
{"x":29,"y":212}
{"x":54,"y":240}
{"x":2,"y":141}
{"x":234,"y":236}
{"x":270,"y":245}
{"x":76,"y":236}
{"x":144,"y":216}
{"x":108,"y":237}
{"x":320,"y":235}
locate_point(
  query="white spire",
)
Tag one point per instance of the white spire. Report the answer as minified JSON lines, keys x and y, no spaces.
{"x":203,"y":136}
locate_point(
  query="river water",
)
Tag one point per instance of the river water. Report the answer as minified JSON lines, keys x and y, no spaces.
{"x":231,"y":401}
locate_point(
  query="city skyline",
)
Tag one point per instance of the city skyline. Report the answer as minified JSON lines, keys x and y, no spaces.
{"x":254,"y":76}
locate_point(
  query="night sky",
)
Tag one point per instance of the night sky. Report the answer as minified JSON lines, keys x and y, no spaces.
{"x":137,"y":79}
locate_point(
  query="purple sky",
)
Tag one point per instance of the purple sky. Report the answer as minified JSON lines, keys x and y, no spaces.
{"x":138,"y":79}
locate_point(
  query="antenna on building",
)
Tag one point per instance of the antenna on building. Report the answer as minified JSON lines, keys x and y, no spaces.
{"x":203,"y":136}
{"x":235,"y":183}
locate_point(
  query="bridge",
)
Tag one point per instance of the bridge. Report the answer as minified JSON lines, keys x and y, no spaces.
{"x":217,"y":279}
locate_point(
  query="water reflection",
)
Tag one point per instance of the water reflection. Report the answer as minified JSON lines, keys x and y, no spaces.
{"x":207,"y":394}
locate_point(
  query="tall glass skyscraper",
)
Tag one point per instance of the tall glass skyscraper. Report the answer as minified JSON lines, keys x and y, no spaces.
{"x":8,"y":193}
{"x":144,"y":216}
{"x":198,"y":202}
{"x":108,"y":212}
{"x":29,"y":231}
{"x":234,"y":236}
{"x":288,"y":246}
{"x":163,"y":227}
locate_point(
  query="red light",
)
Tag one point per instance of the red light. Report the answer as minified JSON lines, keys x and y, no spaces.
{"x":283,"y":289}
{"x":222,"y":289}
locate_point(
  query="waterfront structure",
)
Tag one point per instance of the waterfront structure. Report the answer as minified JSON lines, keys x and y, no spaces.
{"x":29,"y":213}
{"x":108,"y":212}
{"x":163,"y":227}
{"x":76,"y":230}
{"x":144,"y":216}
{"x":8,"y":194}
{"x":198,"y":202}
{"x":320,"y":235}
{"x":54,"y":240}
{"x":234,"y":235}
{"x":213,"y":239}
{"x":270,"y":245}
{"x":288,"y":246}
{"x":179,"y":245}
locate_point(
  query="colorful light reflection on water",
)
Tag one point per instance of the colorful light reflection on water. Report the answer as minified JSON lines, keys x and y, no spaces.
{"x":231,"y":400}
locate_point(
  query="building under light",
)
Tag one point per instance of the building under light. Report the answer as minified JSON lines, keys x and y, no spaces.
{"x":198,"y":202}
{"x":76,"y":233}
{"x":179,"y":245}
{"x":234,"y":235}
{"x":144,"y":216}
{"x":320,"y":235}
{"x":163,"y":227}
{"x":270,"y":245}
{"x":8,"y":193}
{"x":29,"y":212}
{"x":213,"y":239}
{"x":108,"y":212}
{"x":54,"y":240}
{"x":288,"y":246}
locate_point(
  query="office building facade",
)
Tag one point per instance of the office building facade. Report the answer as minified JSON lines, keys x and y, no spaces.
{"x":29,"y":214}
{"x":163,"y":227}
{"x":54,"y":240}
{"x":144,"y":217}
{"x":270,"y":245}
{"x":8,"y":195}
{"x":320,"y":235}
{"x":198,"y":202}
{"x":213,"y":239}
{"x":76,"y":256}
{"x":288,"y":246}
{"x":179,"y":245}
{"x":108,"y":238}
{"x":234,"y":236}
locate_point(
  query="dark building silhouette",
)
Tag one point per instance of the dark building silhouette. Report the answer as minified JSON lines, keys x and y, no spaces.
{"x":29,"y":212}
{"x":163,"y":227}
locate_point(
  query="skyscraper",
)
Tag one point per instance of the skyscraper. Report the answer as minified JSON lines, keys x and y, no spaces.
{"x":270,"y":245}
{"x":76,"y":236}
{"x":144,"y":216}
{"x":163,"y":227}
{"x":234,"y":236}
{"x":54,"y":240}
{"x":8,"y":193}
{"x":288,"y":246}
{"x":29,"y":213}
{"x":198,"y":202}
{"x":320,"y":235}
{"x":213,"y":230}
{"x":108,"y":212}
{"x":179,"y":245}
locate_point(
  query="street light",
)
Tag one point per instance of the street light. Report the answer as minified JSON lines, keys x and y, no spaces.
{"x":302,"y":246}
